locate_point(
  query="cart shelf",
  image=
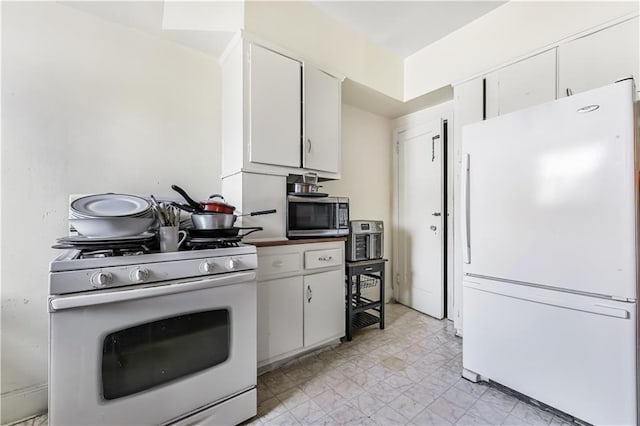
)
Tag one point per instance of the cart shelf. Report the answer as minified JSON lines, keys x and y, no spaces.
{"x":362,"y":311}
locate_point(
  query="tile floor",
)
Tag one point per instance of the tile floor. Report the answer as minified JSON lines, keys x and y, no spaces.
{"x":406,"y":374}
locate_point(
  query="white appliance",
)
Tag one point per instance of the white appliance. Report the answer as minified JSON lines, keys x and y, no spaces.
{"x":161,"y":338}
{"x":549,"y":228}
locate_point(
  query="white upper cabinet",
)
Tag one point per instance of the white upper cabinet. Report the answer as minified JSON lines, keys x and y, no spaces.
{"x":599,"y":59}
{"x":322,"y":105}
{"x":274,"y":119}
{"x":529,"y":82}
{"x":274,"y":108}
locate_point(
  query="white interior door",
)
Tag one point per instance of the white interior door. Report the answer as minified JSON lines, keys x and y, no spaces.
{"x":420,"y":219}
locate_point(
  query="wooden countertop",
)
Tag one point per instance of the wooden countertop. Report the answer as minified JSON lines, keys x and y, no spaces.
{"x":275,"y":243}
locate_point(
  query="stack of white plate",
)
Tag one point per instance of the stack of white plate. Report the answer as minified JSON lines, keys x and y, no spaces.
{"x":111,"y":215}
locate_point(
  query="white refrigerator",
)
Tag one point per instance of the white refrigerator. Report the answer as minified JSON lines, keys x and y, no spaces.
{"x":549,"y":224}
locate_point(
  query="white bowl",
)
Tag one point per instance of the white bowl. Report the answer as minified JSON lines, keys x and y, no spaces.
{"x":111,"y":226}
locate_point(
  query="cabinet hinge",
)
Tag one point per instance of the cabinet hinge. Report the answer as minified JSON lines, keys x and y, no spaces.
{"x":398,"y":147}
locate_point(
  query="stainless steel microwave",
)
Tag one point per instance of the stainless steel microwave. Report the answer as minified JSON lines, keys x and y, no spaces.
{"x":309,"y":216}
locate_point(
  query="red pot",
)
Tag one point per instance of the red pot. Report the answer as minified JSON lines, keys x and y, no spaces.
{"x":217,"y":206}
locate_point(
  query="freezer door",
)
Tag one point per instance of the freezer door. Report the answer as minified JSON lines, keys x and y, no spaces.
{"x":572,"y":352}
{"x":549,"y":194}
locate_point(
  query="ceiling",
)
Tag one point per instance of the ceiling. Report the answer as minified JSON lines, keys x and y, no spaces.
{"x":147,"y":17}
{"x":404,"y":27}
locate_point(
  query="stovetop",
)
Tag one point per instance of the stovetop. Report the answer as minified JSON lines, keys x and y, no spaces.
{"x":73,"y":260}
{"x":70,"y":273}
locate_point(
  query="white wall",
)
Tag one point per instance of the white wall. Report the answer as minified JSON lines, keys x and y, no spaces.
{"x":366,"y":172}
{"x":87,"y":107}
{"x":305,"y":30}
{"x":504,"y":34}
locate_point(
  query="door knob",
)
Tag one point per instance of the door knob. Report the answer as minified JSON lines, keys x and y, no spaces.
{"x":436,"y":214}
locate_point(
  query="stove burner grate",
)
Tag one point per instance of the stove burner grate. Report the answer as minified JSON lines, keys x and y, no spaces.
{"x":92,"y":253}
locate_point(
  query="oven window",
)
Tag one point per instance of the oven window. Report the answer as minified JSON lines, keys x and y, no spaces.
{"x":148,"y":355}
{"x":311,"y":216}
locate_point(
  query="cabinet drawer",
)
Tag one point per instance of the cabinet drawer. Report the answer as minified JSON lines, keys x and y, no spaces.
{"x":277,"y":264}
{"x":323,"y":258}
{"x":366,"y":269}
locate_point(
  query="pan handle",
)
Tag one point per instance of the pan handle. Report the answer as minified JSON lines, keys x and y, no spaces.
{"x":261,"y":212}
{"x":251,"y":230}
{"x":193,"y":203}
{"x":185,"y":208}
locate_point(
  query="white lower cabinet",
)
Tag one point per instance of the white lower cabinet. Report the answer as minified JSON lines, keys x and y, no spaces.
{"x":301,"y":301}
{"x":324,"y":311}
{"x":279,"y":317}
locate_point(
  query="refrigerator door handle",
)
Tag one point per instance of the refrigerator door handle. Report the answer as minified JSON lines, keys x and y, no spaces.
{"x":558,"y":301}
{"x":466,"y":247}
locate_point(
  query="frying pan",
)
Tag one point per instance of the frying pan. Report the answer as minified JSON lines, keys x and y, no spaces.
{"x":223,"y":233}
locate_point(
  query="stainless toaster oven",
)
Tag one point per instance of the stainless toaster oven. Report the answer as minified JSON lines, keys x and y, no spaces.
{"x":365,"y":240}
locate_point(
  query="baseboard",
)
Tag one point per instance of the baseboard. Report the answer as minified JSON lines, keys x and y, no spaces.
{"x":22,"y":404}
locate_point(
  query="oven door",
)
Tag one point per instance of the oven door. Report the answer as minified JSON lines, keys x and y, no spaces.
{"x":149,"y":355}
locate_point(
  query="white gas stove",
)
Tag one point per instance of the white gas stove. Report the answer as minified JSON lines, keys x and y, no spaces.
{"x":160,"y":338}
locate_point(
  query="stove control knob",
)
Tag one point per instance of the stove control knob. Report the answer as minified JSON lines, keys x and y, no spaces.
{"x":232,"y":264}
{"x":101,"y":279}
{"x":139,"y":274}
{"x":207,"y":267}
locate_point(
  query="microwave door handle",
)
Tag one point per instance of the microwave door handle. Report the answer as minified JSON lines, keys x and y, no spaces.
{"x":69,"y":302}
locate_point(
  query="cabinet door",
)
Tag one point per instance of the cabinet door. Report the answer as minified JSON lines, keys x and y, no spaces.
{"x":324,"y":309}
{"x":322,"y":106}
{"x":529,"y":82}
{"x":599,"y":59}
{"x":467,"y":109}
{"x":279,"y":317}
{"x":275,"y":108}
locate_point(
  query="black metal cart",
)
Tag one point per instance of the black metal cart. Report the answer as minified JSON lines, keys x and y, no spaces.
{"x":361,"y":311}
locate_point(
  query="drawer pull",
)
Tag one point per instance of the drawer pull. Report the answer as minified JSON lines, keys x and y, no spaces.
{"x":277,"y":263}
{"x":370,"y":268}
{"x":325,"y":258}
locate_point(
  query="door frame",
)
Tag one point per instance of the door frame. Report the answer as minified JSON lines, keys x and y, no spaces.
{"x":448,"y":167}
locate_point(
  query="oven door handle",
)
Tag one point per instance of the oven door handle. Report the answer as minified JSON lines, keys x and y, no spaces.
{"x":83,"y":300}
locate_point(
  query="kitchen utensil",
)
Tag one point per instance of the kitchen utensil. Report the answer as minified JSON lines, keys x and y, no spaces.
{"x":160,"y":211}
{"x":310,"y":177}
{"x":206,"y":206}
{"x":258,"y":213}
{"x":186,"y":208}
{"x":223,"y":233}
{"x":170,"y":239}
{"x":110,"y":205}
{"x":82,"y":239}
{"x":193,"y":203}
{"x":303,"y":187}
{"x":210,"y":220}
{"x":309,"y":194}
{"x":111,"y":227}
{"x":218,"y":206}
